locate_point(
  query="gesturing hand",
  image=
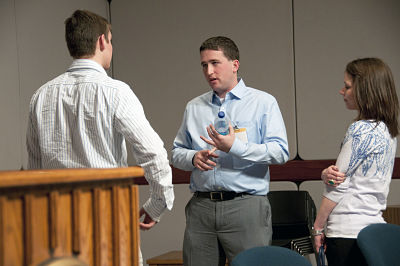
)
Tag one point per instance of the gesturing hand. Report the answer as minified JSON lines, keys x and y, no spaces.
{"x":221,"y":142}
{"x":202,"y":160}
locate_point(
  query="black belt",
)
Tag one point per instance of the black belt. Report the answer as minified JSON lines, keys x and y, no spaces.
{"x":219,"y":195}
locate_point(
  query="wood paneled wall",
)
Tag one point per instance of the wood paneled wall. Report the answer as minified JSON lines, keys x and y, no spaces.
{"x":91,"y":214}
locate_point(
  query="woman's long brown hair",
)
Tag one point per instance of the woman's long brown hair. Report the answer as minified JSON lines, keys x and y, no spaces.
{"x":374,"y":92}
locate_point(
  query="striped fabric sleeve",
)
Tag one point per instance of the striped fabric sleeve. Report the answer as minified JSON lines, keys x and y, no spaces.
{"x":148,"y":150}
{"x":32,"y":141}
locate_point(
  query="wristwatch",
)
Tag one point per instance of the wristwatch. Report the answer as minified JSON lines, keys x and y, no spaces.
{"x":316,"y":232}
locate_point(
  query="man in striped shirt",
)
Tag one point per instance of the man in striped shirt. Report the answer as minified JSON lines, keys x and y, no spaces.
{"x":83,"y":118}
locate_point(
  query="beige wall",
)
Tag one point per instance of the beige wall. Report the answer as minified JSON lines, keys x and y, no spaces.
{"x":295,"y":52}
{"x":33,"y":51}
{"x":10,"y":140}
{"x":157,"y":53}
{"x":329,"y":34}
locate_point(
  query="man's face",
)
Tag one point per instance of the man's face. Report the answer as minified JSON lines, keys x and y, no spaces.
{"x":219,"y":71}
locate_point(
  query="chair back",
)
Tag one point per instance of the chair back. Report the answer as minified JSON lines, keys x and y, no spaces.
{"x":293,"y":214}
{"x":379,"y":244}
{"x":269,"y":256}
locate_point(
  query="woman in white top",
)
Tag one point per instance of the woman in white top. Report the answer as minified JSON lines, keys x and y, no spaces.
{"x":358,"y":185}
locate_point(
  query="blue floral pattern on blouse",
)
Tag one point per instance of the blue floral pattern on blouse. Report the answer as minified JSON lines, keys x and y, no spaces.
{"x":369,"y":147}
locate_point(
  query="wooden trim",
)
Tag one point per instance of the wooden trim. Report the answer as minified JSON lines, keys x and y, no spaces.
{"x":116,"y":225}
{"x":294,"y":170}
{"x":28,"y":229}
{"x":170,"y":258}
{"x":96,"y":227}
{"x":62,"y":176}
{"x":396,"y":169}
{"x":2,"y":229}
{"x":299,"y":171}
{"x":53,"y":203}
{"x":135,"y":244}
{"x":92,"y":218}
{"x":392,"y":214}
{"x":76,"y":229}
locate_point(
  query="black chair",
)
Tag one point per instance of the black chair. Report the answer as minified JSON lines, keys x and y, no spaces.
{"x":293,"y":215}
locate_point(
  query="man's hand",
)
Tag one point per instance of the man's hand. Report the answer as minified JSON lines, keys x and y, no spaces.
{"x":148,"y":222}
{"x":221,"y":142}
{"x":331,"y":176}
{"x":201,"y":160}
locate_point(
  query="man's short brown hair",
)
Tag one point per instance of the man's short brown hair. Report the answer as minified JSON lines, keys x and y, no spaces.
{"x":82,"y":31}
{"x":226,"y":45}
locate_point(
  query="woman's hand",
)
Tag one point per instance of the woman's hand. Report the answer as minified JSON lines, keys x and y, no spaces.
{"x":319,"y":240}
{"x":331,"y":176}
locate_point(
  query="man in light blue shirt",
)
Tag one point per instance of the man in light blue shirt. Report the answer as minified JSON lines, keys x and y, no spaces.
{"x":229,"y":211}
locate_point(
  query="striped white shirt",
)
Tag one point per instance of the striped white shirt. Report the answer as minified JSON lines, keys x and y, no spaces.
{"x":82,"y":118}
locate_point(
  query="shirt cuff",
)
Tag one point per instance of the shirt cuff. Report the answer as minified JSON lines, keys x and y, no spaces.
{"x":156,"y":206}
{"x":190,"y":157}
{"x":153,"y":210}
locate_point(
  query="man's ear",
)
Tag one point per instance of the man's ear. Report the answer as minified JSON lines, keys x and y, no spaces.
{"x":235,"y":65}
{"x":101,"y":41}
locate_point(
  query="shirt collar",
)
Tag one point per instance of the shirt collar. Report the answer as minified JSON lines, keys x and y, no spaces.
{"x":80,"y":64}
{"x":237,"y":92}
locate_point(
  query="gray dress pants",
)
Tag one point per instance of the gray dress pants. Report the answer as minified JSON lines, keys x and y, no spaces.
{"x":216,"y":230}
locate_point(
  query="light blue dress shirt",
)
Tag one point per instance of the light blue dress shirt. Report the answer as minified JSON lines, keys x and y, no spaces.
{"x":245,"y":167}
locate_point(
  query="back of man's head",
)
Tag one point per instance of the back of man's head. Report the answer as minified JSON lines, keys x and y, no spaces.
{"x":82,"y":31}
{"x":226,"y":45}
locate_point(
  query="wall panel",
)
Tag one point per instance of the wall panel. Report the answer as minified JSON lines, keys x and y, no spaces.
{"x":328,"y":35}
{"x":156,"y":51}
{"x":10,"y":145}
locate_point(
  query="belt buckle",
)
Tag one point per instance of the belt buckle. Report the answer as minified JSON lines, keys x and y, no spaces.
{"x":216,"y":196}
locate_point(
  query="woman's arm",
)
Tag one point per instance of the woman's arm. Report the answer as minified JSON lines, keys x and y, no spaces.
{"x":325,"y":210}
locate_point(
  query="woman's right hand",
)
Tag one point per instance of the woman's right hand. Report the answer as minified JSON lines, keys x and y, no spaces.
{"x":319,"y":240}
{"x":331,"y":176}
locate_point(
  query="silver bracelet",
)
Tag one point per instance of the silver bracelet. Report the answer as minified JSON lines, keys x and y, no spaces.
{"x":316,"y":232}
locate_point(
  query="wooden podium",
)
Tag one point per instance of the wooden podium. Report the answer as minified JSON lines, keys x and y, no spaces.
{"x":91,"y":214}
